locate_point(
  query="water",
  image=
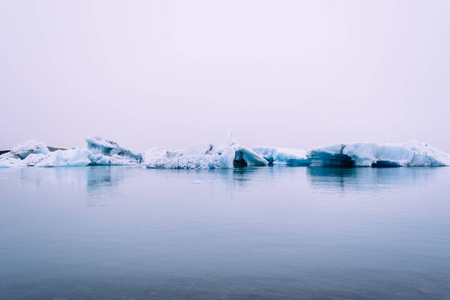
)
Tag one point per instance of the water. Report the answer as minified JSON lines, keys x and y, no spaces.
{"x":252,"y":233}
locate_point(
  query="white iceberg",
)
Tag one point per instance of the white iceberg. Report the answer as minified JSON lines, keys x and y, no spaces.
{"x":411,"y":154}
{"x":283,"y":156}
{"x":29,"y":147}
{"x":33,"y":159}
{"x":66,"y":158}
{"x":25,"y":154}
{"x":204,"y":156}
{"x":8,"y":160}
{"x":160,"y":159}
{"x":106,"y":152}
{"x":228,"y":154}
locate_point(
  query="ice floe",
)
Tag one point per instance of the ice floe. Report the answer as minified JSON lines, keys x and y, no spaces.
{"x":29,"y":147}
{"x":410,"y":154}
{"x":204,"y":156}
{"x":283,"y":156}
{"x":66,"y":158}
{"x":106,"y":152}
{"x":227,"y":154}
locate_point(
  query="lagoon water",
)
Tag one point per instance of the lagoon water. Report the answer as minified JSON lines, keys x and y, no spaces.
{"x":250,"y":233}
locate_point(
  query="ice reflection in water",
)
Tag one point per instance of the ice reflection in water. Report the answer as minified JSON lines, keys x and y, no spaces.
{"x":266,"y":233}
{"x":369,"y":180}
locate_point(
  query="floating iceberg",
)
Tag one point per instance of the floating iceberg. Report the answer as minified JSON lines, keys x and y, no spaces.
{"x":283,"y":156}
{"x":66,"y":158}
{"x":204,"y":156}
{"x":99,"y":152}
{"x":160,"y":159}
{"x":25,"y":154}
{"x":106,"y":152}
{"x":228,"y":154}
{"x":34,"y":159}
{"x":411,"y":154}
{"x":10,"y":160}
{"x":29,"y":147}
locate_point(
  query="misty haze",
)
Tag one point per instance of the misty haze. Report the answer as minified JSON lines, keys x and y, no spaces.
{"x":224,"y":150}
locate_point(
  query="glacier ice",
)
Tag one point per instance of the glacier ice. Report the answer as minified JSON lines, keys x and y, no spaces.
{"x":106,"y":152}
{"x":410,"y":154}
{"x":10,"y":160}
{"x":283,"y":156}
{"x":66,"y":158}
{"x":26,"y":154}
{"x":204,"y":156}
{"x":228,"y":154}
{"x":160,"y":159}
{"x":426,"y":155}
{"x":29,"y":147}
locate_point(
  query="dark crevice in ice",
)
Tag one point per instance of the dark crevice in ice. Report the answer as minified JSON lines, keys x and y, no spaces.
{"x":323,"y":159}
{"x":385,"y":164}
{"x":239,"y":160}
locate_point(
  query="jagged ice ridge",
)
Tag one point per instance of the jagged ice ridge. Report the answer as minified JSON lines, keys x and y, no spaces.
{"x":228,"y":154}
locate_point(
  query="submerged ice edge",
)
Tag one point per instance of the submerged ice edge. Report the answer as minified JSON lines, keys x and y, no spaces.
{"x":229,"y":154}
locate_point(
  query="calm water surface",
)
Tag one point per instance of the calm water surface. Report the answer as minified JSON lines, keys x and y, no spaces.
{"x":253,"y":233}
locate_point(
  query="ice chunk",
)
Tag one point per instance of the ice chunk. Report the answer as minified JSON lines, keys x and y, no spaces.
{"x":157,"y":158}
{"x":244,"y":157}
{"x":426,"y":155}
{"x":8,"y":160}
{"x":25,"y":154}
{"x":153,"y":153}
{"x":412,"y":154}
{"x":394,"y":156}
{"x":228,"y":154}
{"x":363,"y":154}
{"x":33,"y":159}
{"x":31,"y":146}
{"x":198,"y":149}
{"x":67,"y":158}
{"x":115,"y":160}
{"x":204,"y":156}
{"x":286,"y":156}
{"x":330,"y":156}
{"x":106,"y":152}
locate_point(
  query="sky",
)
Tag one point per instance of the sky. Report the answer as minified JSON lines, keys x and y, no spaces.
{"x":277,"y":73}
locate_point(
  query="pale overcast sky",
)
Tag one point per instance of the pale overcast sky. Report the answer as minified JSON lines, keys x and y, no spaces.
{"x":169,"y":73}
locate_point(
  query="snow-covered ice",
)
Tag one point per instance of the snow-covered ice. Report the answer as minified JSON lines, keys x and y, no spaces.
{"x":160,"y":159}
{"x":227,"y":154}
{"x":204,"y":156}
{"x":67,"y":158}
{"x":410,"y":154}
{"x":283,"y":156}
{"x":29,"y":147}
{"x":106,"y":152}
{"x":10,"y":160}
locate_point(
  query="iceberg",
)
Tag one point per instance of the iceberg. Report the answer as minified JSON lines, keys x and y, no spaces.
{"x":204,"y":156}
{"x":29,"y":147}
{"x":228,"y":154}
{"x":106,"y":152}
{"x":283,"y":156}
{"x":8,"y":160}
{"x":410,"y":154}
{"x":26,"y":154}
{"x":426,"y":155}
{"x":159,"y":159}
{"x":33,"y":159}
{"x":75,"y":157}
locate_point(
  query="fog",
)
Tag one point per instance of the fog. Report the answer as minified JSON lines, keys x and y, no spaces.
{"x":277,"y":73}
